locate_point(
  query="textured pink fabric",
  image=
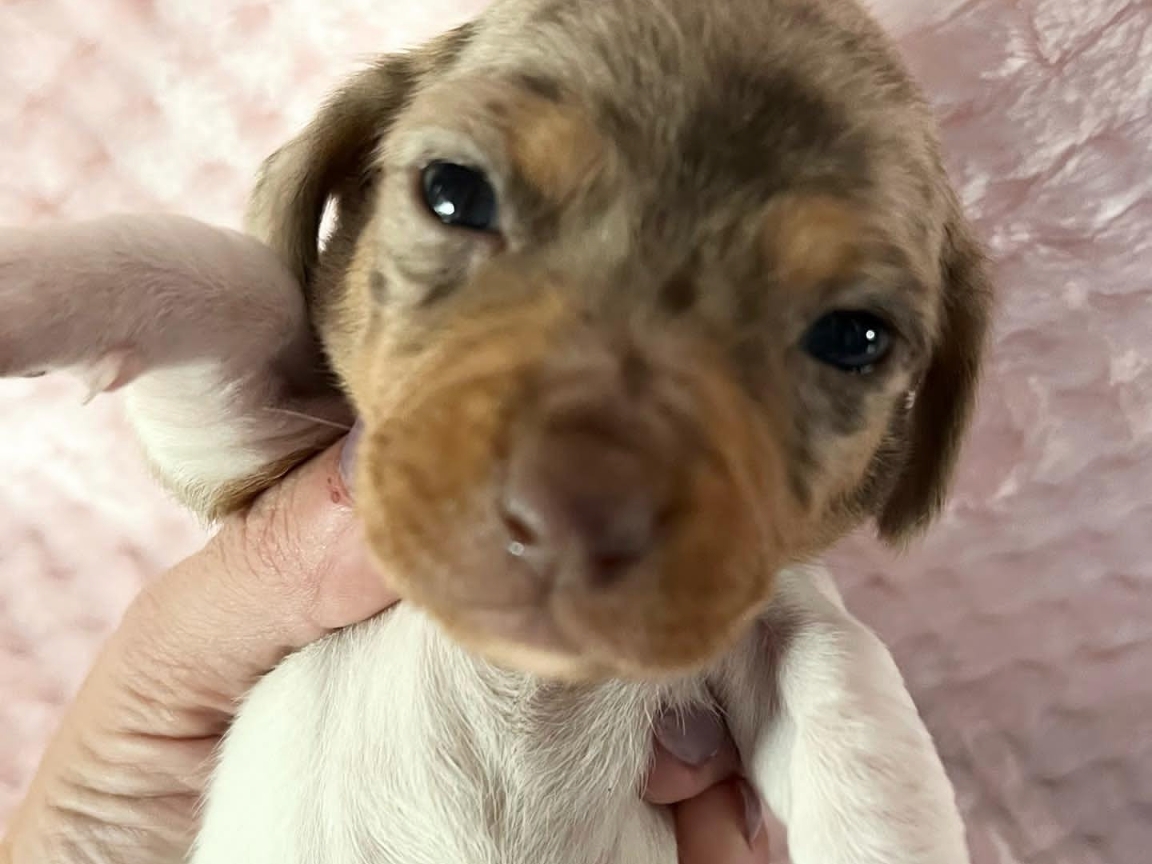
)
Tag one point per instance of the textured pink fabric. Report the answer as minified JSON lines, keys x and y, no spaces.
{"x":1024,"y":622}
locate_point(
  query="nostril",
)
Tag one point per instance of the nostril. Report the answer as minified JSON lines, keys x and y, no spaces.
{"x":635,"y":374}
{"x":518,"y":530}
{"x":530,"y":525}
{"x":606,"y":571}
{"x":521,"y":538}
{"x":678,"y":294}
{"x":617,"y":534}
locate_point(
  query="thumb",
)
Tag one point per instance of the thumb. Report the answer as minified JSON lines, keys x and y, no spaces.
{"x":276,"y":577}
{"x":722,"y":826}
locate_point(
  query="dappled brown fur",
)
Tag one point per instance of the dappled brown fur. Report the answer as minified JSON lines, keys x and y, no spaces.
{"x":684,"y":189}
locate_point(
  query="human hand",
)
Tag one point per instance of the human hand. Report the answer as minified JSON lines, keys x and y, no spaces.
{"x":696,"y":769}
{"x":122,"y":779}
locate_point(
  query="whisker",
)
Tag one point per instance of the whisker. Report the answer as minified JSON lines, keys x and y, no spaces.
{"x":302,"y":416}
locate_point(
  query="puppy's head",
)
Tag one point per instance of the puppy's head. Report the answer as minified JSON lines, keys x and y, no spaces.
{"x":638,"y":303}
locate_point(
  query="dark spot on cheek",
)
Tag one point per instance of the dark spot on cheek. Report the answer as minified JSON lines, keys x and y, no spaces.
{"x":798,"y":486}
{"x":847,"y":415}
{"x":375,"y":322}
{"x":438,"y":291}
{"x":616,"y":121}
{"x":635,"y":372}
{"x":678,"y":294}
{"x":379,"y":286}
{"x":543,"y":86}
{"x":552,"y":13}
{"x":369,"y":181}
{"x":749,"y":302}
{"x":413,"y":345}
{"x":801,"y":464}
{"x":749,"y":355}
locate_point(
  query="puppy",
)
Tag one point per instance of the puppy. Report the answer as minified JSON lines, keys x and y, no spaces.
{"x":642,"y":305}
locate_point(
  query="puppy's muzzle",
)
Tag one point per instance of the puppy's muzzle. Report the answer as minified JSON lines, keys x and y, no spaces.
{"x":570,"y":499}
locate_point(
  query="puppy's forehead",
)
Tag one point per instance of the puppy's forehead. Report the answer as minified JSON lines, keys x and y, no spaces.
{"x":763,"y":92}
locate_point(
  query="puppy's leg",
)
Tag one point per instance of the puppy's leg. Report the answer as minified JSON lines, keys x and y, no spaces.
{"x":206,"y":325}
{"x":832,"y":740}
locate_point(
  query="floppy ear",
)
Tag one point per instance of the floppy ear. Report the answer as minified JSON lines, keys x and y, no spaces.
{"x":946,"y":394}
{"x":333,"y":153}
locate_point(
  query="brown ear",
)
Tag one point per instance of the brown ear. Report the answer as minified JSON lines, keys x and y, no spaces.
{"x":947,"y":393}
{"x":333,"y":152}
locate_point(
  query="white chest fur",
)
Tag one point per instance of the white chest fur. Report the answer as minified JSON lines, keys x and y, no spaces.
{"x":388,"y":744}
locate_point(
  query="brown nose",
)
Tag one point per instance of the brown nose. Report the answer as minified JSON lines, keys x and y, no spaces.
{"x":582,"y":503}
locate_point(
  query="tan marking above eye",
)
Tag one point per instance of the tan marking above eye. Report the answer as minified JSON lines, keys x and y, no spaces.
{"x":812,"y":239}
{"x":554,"y":146}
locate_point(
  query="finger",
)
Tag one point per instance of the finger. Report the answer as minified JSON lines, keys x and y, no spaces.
{"x":671,"y":781}
{"x":274,"y":579}
{"x":693,"y":752}
{"x":722,"y":826}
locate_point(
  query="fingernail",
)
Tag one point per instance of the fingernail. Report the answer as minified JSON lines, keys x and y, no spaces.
{"x":348,"y":457}
{"x":692,"y":736}
{"x":753,"y":813}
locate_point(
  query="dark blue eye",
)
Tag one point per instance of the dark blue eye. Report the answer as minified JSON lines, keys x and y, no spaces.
{"x":459,"y":196}
{"x":849,"y":341}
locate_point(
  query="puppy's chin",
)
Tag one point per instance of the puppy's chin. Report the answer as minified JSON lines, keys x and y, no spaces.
{"x":555,"y":644}
{"x":527,"y":646}
{"x":569,"y":639}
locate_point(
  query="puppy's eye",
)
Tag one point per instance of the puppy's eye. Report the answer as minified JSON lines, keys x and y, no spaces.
{"x":459,"y":196}
{"x":849,"y":341}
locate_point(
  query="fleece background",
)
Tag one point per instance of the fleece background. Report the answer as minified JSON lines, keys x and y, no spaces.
{"x":1024,"y":624}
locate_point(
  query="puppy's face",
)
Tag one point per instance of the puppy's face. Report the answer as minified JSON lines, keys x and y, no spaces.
{"x":633,"y":316}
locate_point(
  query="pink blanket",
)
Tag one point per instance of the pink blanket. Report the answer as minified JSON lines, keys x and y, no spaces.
{"x":1024,"y":624}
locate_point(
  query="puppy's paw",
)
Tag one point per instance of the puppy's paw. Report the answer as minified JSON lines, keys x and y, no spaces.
{"x":205,"y":327}
{"x":832,"y":739}
{"x":115,"y":298}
